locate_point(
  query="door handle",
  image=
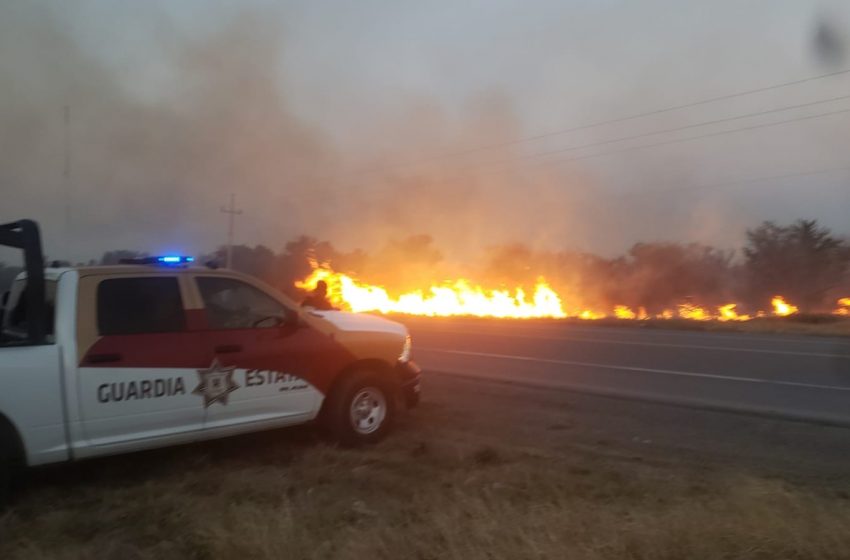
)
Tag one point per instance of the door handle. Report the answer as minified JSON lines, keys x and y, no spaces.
{"x":228,"y":348}
{"x":103,"y":358}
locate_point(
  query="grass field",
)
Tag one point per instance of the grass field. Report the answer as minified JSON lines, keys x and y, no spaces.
{"x":452,"y":482}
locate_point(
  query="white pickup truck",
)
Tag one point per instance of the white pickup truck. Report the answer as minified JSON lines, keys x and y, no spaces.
{"x":112,"y":359}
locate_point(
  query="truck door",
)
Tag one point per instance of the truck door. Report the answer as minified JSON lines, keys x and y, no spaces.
{"x":139,"y":362}
{"x":258,"y":352}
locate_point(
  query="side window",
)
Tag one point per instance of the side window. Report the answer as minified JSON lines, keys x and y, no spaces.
{"x":233,"y":304}
{"x":139,"y":305}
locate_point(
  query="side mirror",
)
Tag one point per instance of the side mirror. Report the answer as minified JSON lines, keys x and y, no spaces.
{"x":294,"y":321}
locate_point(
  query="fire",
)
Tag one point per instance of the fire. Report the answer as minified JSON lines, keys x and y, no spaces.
{"x":843,"y":307}
{"x":464,"y":297}
{"x":727,"y":313}
{"x":623,"y":312}
{"x":781,"y":308}
{"x":459,"y":297}
{"x":590,"y":315}
{"x":695,"y":312}
{"x":626,"y":312}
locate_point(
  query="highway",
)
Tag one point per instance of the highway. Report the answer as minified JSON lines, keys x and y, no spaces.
{"x":793,"y":377}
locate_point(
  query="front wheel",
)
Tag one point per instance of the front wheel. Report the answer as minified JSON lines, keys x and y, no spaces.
{"x":361,"y":409}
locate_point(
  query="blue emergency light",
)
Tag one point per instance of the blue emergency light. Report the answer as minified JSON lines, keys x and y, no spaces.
{"x":175,"y":259}
{"x":165,"y":260}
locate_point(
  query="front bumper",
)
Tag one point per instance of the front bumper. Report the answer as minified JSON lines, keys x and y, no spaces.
{"x":410,"y":377}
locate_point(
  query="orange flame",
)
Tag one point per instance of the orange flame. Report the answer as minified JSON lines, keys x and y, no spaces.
{"x":463,"y":297}
{"x":626,"y":312}
{"x":623,"y":312}
{"x":590,"y":315}
{"x":781,"y":308}
{"x":695,"y":312}
{"x":727,"y":313}
{"x":843,"y":307}
{"x":459,"y":297}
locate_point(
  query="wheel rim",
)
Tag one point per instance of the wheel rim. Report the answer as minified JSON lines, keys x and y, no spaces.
{"x":368,"y":410}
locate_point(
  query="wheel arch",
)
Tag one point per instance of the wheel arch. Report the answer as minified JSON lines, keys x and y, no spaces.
{"x":371,"y":364}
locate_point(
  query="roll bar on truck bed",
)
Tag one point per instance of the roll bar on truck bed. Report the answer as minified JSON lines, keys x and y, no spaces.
{"x":25,"y":235}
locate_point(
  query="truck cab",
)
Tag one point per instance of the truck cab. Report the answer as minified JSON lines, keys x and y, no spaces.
{"x":98,"y":360}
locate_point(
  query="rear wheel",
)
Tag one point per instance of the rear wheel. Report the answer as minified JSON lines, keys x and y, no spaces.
{"x":361,"y":408}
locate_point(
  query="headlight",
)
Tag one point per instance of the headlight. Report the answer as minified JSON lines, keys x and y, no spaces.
{"x":405,"y":350}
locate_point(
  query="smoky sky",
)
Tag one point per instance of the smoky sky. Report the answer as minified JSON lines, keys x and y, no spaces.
{"x":363,"y":121}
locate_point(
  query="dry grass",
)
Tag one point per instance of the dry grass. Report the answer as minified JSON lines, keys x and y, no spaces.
{"x":809,"y":325}
{"x":817,"y":325}
{"x":442,"y":487}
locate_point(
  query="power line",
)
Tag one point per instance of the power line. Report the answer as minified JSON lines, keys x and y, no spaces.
{"x":697,"y":137}
{"x":623,"y":119}
{"x":507,"y":167}
{"x":689,"y":126}
{"x":791,"y":175}
{"x":502,"y":167}
{"x":614,"y":120}
{"x":668,"y":130}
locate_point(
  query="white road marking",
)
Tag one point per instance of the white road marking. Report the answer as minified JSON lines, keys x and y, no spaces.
{"x":657,"y":344}
{"x":639,"y":369}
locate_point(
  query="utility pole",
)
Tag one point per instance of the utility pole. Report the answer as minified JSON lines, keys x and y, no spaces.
{"x":231,"y":212}
{"x":66,"y":177}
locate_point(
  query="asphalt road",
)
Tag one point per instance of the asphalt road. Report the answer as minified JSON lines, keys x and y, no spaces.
{"x":792,"y":377}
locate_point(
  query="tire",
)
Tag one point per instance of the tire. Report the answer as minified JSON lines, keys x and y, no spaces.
{"x":361,"y":409}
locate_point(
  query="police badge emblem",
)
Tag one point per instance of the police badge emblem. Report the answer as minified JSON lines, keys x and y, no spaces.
{"x":216,"y":383}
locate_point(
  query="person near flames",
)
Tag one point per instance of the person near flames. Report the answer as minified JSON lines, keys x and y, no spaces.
{"x":318,"y":298}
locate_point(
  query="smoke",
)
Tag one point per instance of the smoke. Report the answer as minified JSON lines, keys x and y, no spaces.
{"x":160,"y":136}
{"x":148,"y":171}
{"x":150,"y":163}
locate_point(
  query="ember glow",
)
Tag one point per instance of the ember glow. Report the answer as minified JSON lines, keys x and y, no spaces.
{"x":463,"y":297}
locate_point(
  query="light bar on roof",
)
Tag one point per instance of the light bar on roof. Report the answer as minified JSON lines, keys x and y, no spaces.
{"x":174,"y":259}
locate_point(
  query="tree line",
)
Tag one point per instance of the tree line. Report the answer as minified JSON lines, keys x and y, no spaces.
{"x":802,"y":261}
